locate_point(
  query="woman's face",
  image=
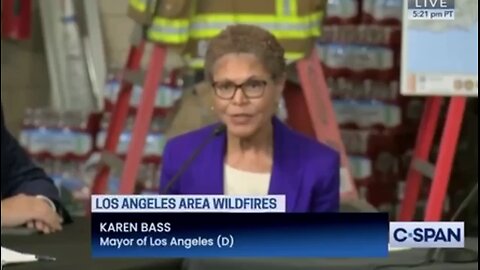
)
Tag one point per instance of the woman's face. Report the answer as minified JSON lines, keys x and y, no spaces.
{"x":245,"y":96}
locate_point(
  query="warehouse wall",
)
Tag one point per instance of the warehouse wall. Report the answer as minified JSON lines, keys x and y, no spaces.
{"x":116,"y":29}
{"x":25,"y":81}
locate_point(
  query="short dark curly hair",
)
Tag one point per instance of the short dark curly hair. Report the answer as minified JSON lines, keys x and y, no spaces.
{"x":243,"y":38}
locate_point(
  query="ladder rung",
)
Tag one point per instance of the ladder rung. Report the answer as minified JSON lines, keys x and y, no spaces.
{"x":112,"y":160}
{"x":424,"y":167}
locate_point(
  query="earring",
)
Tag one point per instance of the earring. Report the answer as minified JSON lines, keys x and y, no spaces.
{"x":279,"y":104}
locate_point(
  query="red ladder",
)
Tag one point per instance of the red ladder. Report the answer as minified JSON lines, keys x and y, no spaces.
{"x":420,"y":166}
{"x":322,"y":113}
{"x":142,"y":119}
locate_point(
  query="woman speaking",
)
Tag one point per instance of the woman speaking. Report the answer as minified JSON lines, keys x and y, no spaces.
{"x":250,"y":152}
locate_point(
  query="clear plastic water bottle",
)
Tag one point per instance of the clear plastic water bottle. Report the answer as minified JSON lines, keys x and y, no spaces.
{"x":83,"y":141}
{"x":125,"y":137}
{"x":40,"y":136}
{"x":28,"y":126}
{"x":102,"y":133}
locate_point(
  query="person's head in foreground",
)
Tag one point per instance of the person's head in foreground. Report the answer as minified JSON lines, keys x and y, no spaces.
{"x":257,"y":154}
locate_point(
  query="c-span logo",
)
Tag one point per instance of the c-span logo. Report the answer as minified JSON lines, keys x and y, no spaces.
{"x":427,"y":234}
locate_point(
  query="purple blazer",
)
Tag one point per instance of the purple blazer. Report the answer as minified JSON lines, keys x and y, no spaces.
{"x":306,"y":171}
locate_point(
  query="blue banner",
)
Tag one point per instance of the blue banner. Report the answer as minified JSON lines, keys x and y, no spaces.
{"x":155,"y":235}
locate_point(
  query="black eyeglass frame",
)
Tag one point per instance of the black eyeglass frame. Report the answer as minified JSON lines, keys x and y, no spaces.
{"x":241,"y":86}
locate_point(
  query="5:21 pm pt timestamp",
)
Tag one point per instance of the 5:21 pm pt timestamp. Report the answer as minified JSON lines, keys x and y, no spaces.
{"x":420,"y":14}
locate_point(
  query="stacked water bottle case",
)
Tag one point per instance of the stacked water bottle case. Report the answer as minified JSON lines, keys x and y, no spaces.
{"x":68,"y":144}
{"x":62,"y":144}
{"x":360,"y":53}
{"x":168,"y":94}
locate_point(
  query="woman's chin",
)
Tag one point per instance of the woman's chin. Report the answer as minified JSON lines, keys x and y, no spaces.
{"x":241,"y":131}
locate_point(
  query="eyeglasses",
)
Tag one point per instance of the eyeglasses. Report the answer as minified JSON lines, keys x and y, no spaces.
{"x":250,"y":88}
